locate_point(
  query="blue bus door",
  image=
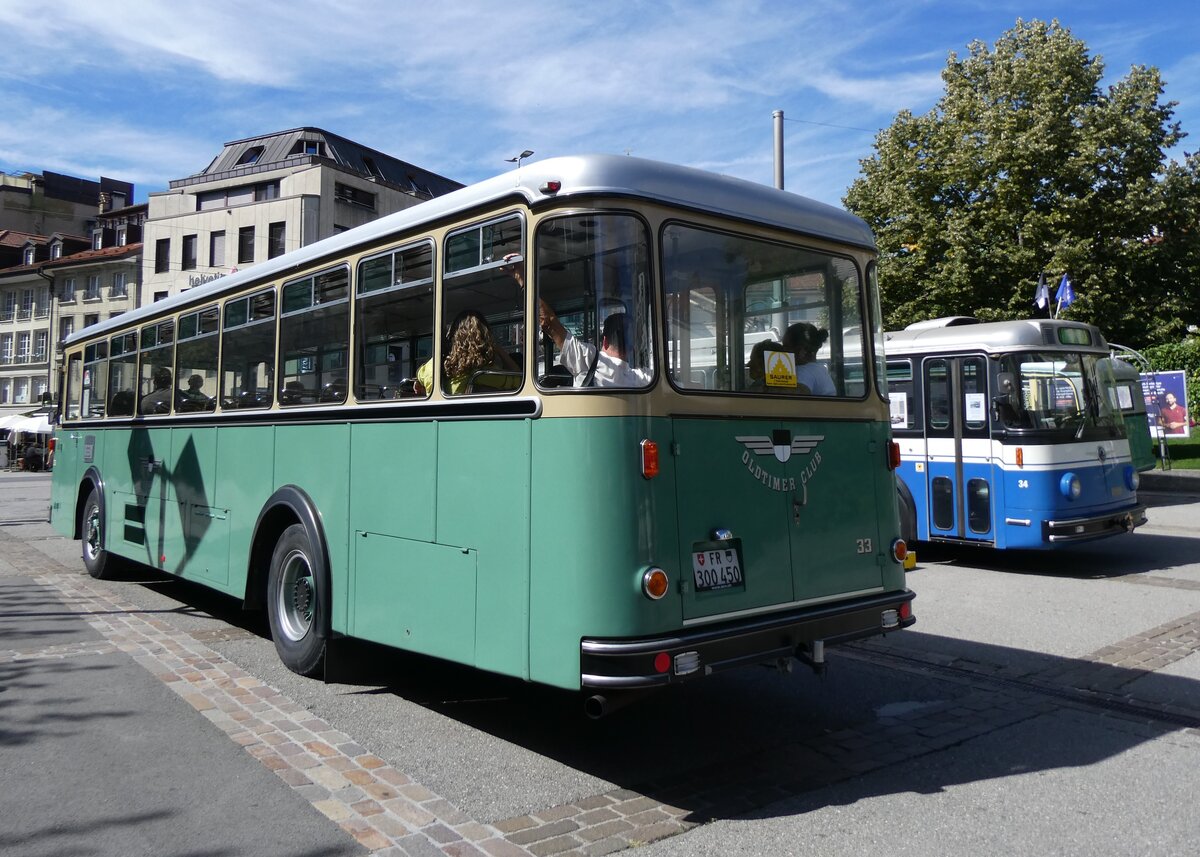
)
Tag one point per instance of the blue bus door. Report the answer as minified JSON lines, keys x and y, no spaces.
{"x":958,"y":466}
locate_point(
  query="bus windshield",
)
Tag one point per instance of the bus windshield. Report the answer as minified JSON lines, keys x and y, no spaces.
{"x":1068,"y":391}
{"x":752,"y":316}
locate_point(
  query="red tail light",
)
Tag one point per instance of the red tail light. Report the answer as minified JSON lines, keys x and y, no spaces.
{"x":893,"y":455}
{"x":649,"y":459}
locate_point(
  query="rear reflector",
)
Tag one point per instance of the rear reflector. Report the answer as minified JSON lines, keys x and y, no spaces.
{"x":649,"y":459}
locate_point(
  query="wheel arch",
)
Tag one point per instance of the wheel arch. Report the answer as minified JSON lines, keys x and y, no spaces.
{"x":906,"y":506}
{"x":288,"y":505}
{"x":91,"y":481}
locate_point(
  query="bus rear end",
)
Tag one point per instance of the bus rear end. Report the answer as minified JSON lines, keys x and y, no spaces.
{"x":745,"y":483}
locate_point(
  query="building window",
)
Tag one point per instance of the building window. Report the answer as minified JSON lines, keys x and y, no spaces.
{"x":39,"y":344}
{"x":6,"y":348}
{"x":188,"y":260}
{"x":308,"y":147}
{"x":21,"y":396}
{"x":245,"y":245}
{"x":56,"y":250}
{"x":265,"y":191}
{"x":275,"y":239}
{"x":23,"y":347}
{"x":250,"y":156}
{"x":122,"y":236}
{"x":26,"y":304}
{"x":162,"y":255}
{"x":10,"y":306}
{"x":160,"y":296}
{"x":91,"y":318}
{"x":66,"y":326}
{"x":68,"y":290}
{"x":30,"y":255}
{"x":216,"y":249}
{"x":353,"y":196}
{"x":92,"y":292}
{"x":372,"y":167}
{"x":98,"y":239}
{"x":118,"y":285}
{"x":3,"y":391}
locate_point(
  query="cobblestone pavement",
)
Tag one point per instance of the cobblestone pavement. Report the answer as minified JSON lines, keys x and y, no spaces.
{"x":391,"y":814}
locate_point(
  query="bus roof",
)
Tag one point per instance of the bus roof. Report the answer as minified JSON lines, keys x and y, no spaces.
{"x":957,"y":334}
{"x":586,"y":175}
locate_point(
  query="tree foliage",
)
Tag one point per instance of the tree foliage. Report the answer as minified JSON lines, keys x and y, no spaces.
{"x":1026,"y":166}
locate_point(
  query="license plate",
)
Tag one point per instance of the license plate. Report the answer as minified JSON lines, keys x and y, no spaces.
{"x":717,"y":567}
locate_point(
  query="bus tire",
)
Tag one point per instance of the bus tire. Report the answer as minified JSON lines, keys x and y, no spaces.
{"x":99,"y":563}
{"x":297,"y":604}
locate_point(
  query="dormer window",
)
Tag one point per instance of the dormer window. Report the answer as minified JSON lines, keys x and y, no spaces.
{"x":30,"y":255}
{"x":250,"y":156}
{"x":308,"y":147}
{"x":98,"y":239}
{"x":56,"y":250}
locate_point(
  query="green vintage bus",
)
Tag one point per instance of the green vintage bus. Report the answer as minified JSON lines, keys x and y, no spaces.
{"x":598,"y":492}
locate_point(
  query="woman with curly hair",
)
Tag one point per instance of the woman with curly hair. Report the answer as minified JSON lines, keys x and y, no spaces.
{"x":469,"y":348}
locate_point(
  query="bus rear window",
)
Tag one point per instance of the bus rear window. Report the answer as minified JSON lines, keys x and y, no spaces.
{"x":753,"y":316}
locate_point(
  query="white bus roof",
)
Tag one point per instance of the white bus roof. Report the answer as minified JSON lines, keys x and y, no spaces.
{"x":608,"y":175}
{"x":958,"y":334}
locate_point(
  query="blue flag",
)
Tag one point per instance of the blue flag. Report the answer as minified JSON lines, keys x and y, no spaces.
{"x":1065,"y":296}
{"x":1042,"y":296}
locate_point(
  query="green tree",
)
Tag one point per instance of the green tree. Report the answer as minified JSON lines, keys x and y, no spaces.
{"x":1026,"y":166}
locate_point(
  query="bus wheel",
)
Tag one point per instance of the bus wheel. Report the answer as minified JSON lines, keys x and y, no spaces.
{"x":297,"y":605}
{"x":99,"y":563}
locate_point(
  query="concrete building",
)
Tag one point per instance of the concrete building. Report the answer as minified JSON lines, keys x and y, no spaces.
{"x":263,"y":196}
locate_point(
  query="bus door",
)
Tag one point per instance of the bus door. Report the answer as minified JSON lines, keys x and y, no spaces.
{"x":958,"y":467}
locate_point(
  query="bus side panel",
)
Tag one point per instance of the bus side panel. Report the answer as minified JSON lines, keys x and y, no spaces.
{"x":205,"y":524}
{"x":483,"y":505}
{"x":316,"y":459}
{"x":142,"y":514}
{"x":892,"y":577}
{"x":244,"y":471}
{"x":64,"y":483}
{"x":596,"y":524}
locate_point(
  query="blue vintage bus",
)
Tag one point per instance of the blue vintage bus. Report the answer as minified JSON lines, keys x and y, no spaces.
{"x":1010,"y":434}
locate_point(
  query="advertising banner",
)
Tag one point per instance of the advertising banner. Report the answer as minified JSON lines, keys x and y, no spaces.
{"x":1166,"y":403}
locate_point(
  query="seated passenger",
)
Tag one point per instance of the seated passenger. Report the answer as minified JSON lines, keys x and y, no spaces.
{"x":805,"y":340}
{"x":592,"y":367}
{"x":158,"y":400}
{"x":469,"y":349}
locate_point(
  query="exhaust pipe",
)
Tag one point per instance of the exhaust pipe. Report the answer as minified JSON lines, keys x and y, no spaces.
{"x":600,"y":704}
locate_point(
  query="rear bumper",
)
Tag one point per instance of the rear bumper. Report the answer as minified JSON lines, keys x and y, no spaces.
{"x":631,"y":663}
{"x":1094,"y":526}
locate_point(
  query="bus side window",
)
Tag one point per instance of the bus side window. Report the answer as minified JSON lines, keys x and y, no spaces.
{"x":393,"y":322}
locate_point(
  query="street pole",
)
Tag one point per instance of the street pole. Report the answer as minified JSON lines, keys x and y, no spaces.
{"x":778,"y":116}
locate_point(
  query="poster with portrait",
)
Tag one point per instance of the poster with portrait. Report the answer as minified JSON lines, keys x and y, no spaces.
{"x":1166,"y":403}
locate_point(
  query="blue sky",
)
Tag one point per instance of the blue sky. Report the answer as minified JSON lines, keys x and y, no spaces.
{"x":150,"y":91}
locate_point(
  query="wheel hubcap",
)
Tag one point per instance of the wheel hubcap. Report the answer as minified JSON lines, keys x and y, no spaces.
{"x":91,"y":535}
{"x":297,"y":597}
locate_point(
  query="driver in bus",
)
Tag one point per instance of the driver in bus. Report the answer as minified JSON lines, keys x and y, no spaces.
{"x":606,"y":366}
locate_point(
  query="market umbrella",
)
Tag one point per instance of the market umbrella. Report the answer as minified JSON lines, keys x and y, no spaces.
{"x":36,"y":424}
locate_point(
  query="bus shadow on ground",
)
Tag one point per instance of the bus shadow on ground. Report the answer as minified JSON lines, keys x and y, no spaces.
{"x":745,"y":741}
{"x":755,"y":743}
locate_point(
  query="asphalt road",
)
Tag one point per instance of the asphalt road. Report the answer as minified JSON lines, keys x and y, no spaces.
{"x":1043,"y":704}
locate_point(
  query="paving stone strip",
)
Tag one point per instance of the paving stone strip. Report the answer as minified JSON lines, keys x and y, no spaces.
{"x":382,"y":808}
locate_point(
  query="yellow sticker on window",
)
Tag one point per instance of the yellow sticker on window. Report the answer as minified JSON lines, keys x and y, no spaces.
{"x":780,"y":368}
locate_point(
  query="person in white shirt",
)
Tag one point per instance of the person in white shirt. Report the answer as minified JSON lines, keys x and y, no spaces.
{"x":607,"y":366}
{"x":805,"y":340}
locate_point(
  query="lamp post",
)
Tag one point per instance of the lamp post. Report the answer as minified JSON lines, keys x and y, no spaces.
{"x":517,"y":160}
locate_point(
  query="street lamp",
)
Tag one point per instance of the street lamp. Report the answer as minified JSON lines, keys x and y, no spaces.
{"x":517,"y":160}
